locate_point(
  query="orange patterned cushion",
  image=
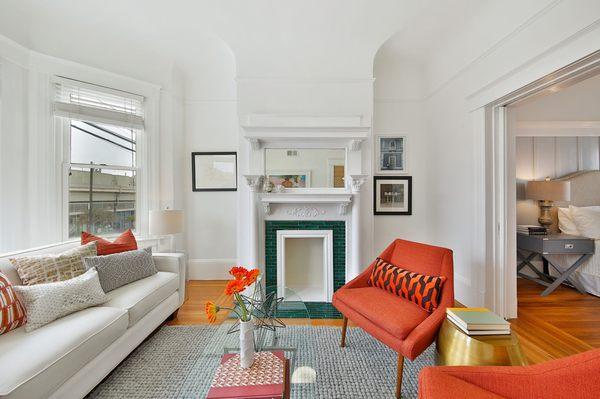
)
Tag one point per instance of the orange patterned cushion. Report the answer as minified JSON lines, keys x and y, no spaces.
{"x":12,"y":313}
{"x":418,"y":288}
{"x":123,"y":243}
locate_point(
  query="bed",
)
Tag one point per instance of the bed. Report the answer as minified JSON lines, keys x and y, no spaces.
{"x":580,"y":215}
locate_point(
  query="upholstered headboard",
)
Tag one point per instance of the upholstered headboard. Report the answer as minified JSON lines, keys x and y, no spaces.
{"x":585,"y":191}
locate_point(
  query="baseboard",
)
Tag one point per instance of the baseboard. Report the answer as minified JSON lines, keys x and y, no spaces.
{"x":209,"y":269}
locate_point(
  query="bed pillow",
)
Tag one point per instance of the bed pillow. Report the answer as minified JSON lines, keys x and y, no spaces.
{"x":45,"y":303}
{"x":41,"y":269}
{"x":566,"y":223}
{"x":12,"y":313}
{"x":587,"y":220}
{"x":418,"y":288}
{"x":117,"y":270}
{"x":124,"y":242}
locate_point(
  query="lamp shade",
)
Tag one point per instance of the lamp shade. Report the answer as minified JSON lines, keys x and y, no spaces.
{"x":549,"y":190}
{"x":166,"y":222}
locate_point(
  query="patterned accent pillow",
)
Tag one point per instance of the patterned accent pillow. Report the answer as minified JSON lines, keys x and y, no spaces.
{"x":418,"y":288}
{"x":124,"y":242}
{"x":116,"y":270}
{"x":48,"y":302}
{"x":12,"y":314}
{"x":41,"y":269}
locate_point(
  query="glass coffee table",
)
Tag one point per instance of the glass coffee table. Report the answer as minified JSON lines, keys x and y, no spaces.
{"x":270,"y":314}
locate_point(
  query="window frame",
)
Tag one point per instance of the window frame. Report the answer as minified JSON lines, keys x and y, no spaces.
{"x":144,"y":185}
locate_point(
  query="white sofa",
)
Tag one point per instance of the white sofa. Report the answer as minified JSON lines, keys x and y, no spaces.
{"x":70,"y":356}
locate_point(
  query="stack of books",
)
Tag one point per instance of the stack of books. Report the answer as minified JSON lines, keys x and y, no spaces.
{"x":531,"y":230}
{"x":478,"y":321}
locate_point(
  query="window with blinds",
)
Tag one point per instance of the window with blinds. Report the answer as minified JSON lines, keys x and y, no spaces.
{"x":101,"y":126}
{"x":75,"y":99}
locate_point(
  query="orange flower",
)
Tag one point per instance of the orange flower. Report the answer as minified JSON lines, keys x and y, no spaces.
{"x":211,"y":311}
{"x":234,"y":286}
{"x":251,"y":276}
{"x":238,"y":272}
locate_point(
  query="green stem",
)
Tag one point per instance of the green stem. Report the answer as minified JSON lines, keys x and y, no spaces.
{"x":242,"y":305}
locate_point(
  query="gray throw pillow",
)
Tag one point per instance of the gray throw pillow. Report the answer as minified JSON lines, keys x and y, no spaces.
{"x":117,"y":270}
{"x":50,"y":301}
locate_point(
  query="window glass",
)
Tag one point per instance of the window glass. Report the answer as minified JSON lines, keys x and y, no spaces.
{"x":102,"y":144}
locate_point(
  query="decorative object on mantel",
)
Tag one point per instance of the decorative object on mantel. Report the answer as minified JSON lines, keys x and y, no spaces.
{"x":268,"y":186}
{"x":279,"y":188}
{"x":392,"y":195}
{"x":547,"y":191}
{"x":214,"y":171}
{"x":290,"y":178}
{"x":242,"y":279}
{"x":391,"y":154}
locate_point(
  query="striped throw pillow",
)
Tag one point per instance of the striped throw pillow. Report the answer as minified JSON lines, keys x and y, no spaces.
{"x":12,"y":313}
{"x":418,"y":288}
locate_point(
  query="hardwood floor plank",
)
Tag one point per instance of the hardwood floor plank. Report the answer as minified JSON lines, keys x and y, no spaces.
{"x":559,"y":325}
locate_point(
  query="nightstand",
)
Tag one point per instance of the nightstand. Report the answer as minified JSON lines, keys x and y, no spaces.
{"x":531,"y":246}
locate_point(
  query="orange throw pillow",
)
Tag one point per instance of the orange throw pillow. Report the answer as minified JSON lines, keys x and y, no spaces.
{"x":124,"y":242}
{"x":12,"y":313}
{"x":418,"y":288}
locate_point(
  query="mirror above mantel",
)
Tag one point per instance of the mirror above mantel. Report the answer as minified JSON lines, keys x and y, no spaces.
{"x":297,"y":168}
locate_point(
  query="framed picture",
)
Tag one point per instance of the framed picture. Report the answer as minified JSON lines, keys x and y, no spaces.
{"x":392,"y":195}
{"x":214,"y":171}
{"x":290,"y":178}
{"x":391,"y":154}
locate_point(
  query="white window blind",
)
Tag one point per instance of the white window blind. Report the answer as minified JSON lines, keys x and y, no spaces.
{"x":79,"y":100}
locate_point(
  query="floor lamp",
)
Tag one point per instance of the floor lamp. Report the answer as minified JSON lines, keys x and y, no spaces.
{"x":166,"y":222}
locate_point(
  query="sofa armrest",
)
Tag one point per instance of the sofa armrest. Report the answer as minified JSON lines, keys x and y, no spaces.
{"x":173,"y":263}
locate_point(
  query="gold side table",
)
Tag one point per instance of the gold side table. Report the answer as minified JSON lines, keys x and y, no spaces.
{"x":455,"y":348}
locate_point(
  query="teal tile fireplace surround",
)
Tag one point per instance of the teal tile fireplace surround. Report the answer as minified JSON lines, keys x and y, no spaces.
{"x":316,"y":310}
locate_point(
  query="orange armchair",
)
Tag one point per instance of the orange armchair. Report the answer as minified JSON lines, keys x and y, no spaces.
{"x":400,"y":324}
{"x":571,"y":377}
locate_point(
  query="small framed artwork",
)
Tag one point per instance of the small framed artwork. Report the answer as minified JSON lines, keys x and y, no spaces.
{"x":290,"y":178}
{"x":214,"y":171}
{"x":391,"y":154}
{"x":392,"y":195}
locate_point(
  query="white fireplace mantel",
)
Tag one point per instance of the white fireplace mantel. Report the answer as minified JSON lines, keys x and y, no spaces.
{"x":342,"y":200}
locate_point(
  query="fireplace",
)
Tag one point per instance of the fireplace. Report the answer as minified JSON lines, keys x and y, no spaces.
{"x":321,"y":245}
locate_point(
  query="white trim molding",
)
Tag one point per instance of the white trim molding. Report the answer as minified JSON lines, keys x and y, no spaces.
{"x":327,"y":236}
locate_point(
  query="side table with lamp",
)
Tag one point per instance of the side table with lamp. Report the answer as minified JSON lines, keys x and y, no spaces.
{"x":531,"y":246}
{"x":166,"y":222}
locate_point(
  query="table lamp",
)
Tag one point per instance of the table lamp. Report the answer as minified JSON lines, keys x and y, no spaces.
{"x":166,"y":222}
{"x":546,"y":192}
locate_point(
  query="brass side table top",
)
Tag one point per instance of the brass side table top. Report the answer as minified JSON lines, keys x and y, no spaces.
{"x":455,"y":348}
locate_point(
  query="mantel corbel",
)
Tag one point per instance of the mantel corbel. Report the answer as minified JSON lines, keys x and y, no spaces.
{"x":355,"y":145}
{"x":254,"y":182}
{"x":255,"y":143}
{"x":356,"y":182}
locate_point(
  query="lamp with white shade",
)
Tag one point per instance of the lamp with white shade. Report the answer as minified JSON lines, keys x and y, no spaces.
{"x":546,"y":192}
{"x":167,"y":222}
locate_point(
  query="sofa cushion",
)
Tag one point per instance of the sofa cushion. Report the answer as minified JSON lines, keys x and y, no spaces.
{"x":396,"y":315}
{"x":47,"y":302}
{"x":49,"y":268}
{"x":140,"y":297}
{"x":41,"y":360}
{"x":12,"y":313}
{"x":124,"y":242}
{"x":117,"y":270}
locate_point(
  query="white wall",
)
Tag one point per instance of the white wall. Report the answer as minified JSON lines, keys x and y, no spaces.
{"x":518,"y":48}
{"x":541,"y":157}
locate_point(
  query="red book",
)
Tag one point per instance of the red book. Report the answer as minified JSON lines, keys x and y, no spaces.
{"x":268,"y":378}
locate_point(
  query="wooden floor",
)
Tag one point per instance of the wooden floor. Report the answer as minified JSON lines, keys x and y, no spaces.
{"x":551,"y":327}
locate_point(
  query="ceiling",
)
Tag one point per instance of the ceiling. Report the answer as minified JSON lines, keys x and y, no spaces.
{"x":248,"y":38}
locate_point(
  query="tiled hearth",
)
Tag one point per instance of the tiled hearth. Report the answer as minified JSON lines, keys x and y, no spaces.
{"x":317,"y":310}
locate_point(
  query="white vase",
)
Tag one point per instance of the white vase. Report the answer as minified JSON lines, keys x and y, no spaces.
{"x":246,"y":343}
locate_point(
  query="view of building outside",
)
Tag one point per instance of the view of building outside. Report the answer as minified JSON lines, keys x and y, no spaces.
{"x":101,"y":198}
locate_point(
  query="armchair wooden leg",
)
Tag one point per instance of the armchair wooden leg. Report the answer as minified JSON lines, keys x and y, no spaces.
{"x":399,"y":377}
{"x":344,"y":327}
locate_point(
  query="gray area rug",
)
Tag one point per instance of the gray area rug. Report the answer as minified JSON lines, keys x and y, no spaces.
{"x":180,"y":362}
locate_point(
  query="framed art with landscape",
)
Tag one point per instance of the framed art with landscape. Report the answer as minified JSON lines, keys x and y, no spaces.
{"x":214,"y":171}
